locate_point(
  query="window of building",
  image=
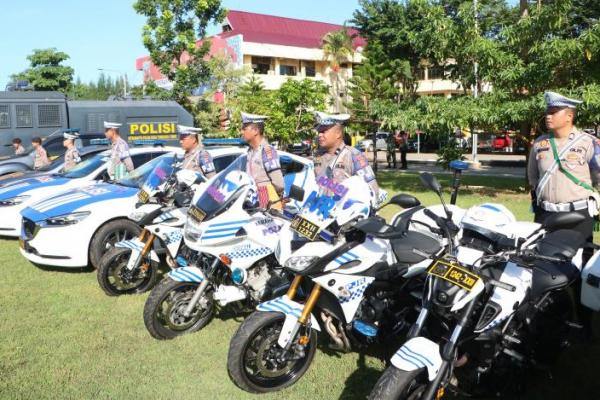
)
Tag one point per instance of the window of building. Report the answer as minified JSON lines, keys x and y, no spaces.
{"x":420,"y":72}
{"x":311,"y":68}
{"x":261,"y":65}
{"x":4,"y":119}
{"x":289,"y":70}
{"x":24,"y":116}
{"x":436,"y":72}
{"x":48,"y":115}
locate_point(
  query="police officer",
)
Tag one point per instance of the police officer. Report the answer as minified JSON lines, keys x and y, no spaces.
{"x":72,"y":157}
{"x":390,"y":142}
{"x":335,"y":159}
{"x":263,"y":161}
{"x":40,"y":157}
{"x":195,"y":158}
{"x":119,"y":153}
{"x":564,"y":167}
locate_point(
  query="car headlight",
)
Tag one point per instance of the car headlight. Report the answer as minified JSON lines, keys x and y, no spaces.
{"x":67,"y":219}
{"x":191,"y":231}
{"x":300,"y":263}
{"x":13,"y":201}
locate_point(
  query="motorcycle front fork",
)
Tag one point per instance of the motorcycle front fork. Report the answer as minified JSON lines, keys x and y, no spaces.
{"x":306,"y":312}
{"x":148,"y":237}
{"x":198,"y":293}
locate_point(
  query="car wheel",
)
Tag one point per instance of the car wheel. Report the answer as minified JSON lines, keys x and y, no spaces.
{"x":109,"y":234}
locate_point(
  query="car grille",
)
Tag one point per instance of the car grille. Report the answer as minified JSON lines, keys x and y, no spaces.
{"x":29,"y":228}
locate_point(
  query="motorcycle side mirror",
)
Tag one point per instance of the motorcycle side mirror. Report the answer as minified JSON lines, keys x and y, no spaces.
{"x":431,"y":182}
{"x":405,"y":200}
{"x":138,"y":204}
{"x":296,"y":193}
{"x":562,"y":220}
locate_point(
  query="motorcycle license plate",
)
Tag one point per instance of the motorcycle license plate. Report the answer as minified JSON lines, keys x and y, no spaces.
{"x":143,"y":196}
{"x":196,"y":214}
{"x":304,"y":227}
{"x":452,"y":273}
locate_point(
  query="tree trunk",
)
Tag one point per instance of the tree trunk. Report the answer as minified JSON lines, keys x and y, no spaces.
{"x":524,"y":8}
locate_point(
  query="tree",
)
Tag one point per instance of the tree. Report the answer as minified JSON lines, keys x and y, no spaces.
{"x":170,"y":35}
{"x":337,"y":48}
{"x":46,"y":72}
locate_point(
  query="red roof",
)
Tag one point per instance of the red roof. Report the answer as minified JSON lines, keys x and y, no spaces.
{"x":261,"y":28}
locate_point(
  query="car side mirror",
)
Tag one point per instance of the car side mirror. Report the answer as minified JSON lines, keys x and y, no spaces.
{"x":296,"y":193}
{"x":405,"y":200}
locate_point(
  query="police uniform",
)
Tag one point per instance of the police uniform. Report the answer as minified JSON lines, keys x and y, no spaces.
{"x":72,"y":157}
{"x":572,"y":185}
{"x":40,"y":158}
{"x":264,"y":167}
{"x":119,"y":152}
{"x":391,"y":150}
{"x":197,"y":159}
{"x":346,"y":161}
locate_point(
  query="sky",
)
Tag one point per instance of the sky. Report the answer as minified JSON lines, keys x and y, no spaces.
{"x":107,"y":33}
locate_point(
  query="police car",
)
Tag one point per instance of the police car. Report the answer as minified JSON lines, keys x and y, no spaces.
{"x":74,"y":229}
{"x":20,"y":194}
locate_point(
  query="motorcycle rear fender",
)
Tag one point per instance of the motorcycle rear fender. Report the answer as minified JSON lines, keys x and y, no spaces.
{"x":417,"y":353}
{"x":292,"y":311}
{"x":187,"y":274}
{"x":136,"y":246}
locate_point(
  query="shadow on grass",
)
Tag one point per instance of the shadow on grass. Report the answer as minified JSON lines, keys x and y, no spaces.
{"x":68,"y":270}
{"x":359,"y":384}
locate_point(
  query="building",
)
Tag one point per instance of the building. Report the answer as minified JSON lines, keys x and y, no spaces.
{"x":278,"y":48}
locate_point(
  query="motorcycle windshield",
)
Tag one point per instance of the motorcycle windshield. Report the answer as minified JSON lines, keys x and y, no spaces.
{"x":159,"y":175}
{"x":139,"y":176}
{"x":339,"y":202}
{"x":222,"y":191}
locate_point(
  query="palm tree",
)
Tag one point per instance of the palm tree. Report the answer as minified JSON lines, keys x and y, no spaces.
{"x":337,"y":48}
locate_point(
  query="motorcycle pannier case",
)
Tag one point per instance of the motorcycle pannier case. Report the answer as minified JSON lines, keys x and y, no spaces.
{"x":590,"y":281}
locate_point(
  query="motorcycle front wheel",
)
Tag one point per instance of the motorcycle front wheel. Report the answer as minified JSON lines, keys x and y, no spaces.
{"x":164,"y":309}
{"x":115,"y":279}
{"x":254,"y":360}
{"x":396,"y":384}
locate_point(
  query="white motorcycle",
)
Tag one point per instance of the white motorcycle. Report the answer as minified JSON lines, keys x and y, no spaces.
{"x":131,"y":265}
{"x":494,"y":308}
{"x":351,"y":281}
{"x":228,"y":256}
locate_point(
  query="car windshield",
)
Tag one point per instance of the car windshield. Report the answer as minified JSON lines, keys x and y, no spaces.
{"x":221,"y":191}
{"x":86,"y":167}
{"x":138,"y":176}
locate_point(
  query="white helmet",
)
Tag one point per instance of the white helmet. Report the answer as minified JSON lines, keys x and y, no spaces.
{"x":488,"y":220}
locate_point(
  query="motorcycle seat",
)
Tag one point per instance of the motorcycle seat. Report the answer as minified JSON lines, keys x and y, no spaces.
{"x":414,"y":247}
{"x":551,"y":276}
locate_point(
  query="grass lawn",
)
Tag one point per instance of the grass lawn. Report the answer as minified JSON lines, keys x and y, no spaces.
{"x":61,"y":337}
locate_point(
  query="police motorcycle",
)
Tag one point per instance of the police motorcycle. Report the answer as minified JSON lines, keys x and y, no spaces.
{"x":351,"y":271}
{"x":493,"y":308}
{"x":131,"y":265}
{"x":228,"y":257}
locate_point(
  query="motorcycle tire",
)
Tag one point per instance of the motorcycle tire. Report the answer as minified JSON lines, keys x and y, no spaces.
{"x":165,"y":305}
{"x":110,"y":274}
{"x":396,"y":384}
{"x":108,"y":234}
{"x":257,"y":336}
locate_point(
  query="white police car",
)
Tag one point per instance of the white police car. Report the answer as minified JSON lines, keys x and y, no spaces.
{"x":18,"y":195}
{"x":75,"y":228}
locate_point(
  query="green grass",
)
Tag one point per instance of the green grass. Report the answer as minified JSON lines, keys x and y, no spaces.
{"x":61,"y":337}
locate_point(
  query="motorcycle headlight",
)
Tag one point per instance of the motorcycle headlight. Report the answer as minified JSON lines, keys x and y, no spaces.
{"x":137,"y":216}
{"x":191,"y":231}
{"x":13,"y":201}
{"x":300,"y":263}
{"x":67,"y":219}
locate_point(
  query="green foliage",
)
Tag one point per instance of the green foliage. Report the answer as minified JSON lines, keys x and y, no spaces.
{"x":170,"y":34}
{"x":102,"y":89}
{"x":46,"y":72}
{"x":337,"y":48}
{"x":449,"y":153}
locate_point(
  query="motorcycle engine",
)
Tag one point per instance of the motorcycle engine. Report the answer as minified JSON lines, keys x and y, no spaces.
{"x":262,"y":280}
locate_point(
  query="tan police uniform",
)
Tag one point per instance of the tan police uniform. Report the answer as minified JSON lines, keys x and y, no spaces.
{"x":264,"y":167}
{"x":72,"y":158}
{"x":199,"y":160}
{"x":119,"y":153}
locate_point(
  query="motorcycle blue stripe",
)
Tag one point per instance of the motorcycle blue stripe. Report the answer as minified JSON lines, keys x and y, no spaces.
{"x":233,"y":228}
{"x":217,"y":236}
{"x":192,"y":273}
{"x":292,"y":310}
{"x":188,"y":276}
{"x":180,"y":276}
{"x":410,"y":361}
{"x":408,"y":353}
{"x":241,"y":222}
{"x":277,"y":307}
{"x":418,"y":355}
